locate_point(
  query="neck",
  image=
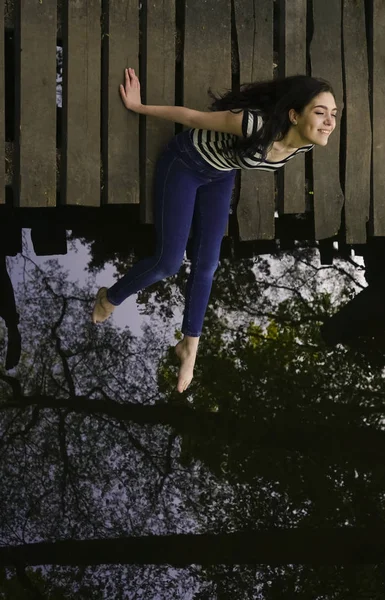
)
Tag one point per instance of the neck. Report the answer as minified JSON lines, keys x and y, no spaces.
{"x":291,"y":141}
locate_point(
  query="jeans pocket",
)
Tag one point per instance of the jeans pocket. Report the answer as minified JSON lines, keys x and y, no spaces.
{"x":180,"y":145}
{"x":189,"y":164}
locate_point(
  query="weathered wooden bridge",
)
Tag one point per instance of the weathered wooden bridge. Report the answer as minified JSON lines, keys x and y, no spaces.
{"x":94,"y":153}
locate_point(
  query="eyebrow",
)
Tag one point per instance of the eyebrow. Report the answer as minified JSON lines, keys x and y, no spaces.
{"x":325,"y":107}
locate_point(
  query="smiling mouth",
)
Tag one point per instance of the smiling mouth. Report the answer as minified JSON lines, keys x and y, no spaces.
{"x":324,"y":131}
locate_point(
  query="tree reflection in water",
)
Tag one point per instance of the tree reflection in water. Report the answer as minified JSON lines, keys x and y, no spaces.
{"x":279,"y":440}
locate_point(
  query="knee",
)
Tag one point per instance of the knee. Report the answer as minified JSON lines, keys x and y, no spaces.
{"x":205,"y":269}
{"x":169,"y":266}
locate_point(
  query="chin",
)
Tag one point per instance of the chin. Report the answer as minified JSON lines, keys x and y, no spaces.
{"x":320,"y":143}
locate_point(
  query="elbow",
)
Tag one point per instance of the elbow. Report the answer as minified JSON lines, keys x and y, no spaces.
{"x":196,"y":120}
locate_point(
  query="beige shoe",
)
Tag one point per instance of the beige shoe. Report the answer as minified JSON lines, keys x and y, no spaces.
{"x":102,"y":307}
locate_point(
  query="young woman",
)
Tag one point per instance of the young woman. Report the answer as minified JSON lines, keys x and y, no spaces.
{"x":260,"y":127}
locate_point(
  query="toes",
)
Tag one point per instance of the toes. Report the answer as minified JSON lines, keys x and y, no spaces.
{"x":183,"y":385}
{"x":180,"y":385}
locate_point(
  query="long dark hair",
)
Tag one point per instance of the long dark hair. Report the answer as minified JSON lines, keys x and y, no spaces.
{"x":272,"y":100}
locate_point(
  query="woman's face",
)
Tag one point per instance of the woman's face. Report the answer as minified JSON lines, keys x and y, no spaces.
{"x":317,"y":120}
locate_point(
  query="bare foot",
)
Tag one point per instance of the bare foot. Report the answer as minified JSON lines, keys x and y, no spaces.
{"x":186,"y":351}
{"x":102,"y":307}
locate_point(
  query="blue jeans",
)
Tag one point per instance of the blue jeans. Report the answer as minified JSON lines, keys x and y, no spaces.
{"x":187,"y":190}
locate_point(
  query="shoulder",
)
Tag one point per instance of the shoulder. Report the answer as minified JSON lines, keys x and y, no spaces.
{"x":252,"y":121}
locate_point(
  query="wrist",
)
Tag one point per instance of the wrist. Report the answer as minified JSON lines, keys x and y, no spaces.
{"x":140,"y":109}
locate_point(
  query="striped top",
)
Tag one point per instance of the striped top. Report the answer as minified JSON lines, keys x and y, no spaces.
{"x":218,"y":148}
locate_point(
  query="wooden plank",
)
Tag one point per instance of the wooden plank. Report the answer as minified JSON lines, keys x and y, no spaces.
{"x":358,"y":128}
{"x":120,"y":126}
{"x":2,"y":107}
{"x":291,"y":196}
{"x":254,"y":24}
{"x":207,"y":50}
{"x":325,"y":54}
{"x":35,"y":168}
{"x":160,"y":89}
{"x":378,"y":118}
{"x":81,"y":104}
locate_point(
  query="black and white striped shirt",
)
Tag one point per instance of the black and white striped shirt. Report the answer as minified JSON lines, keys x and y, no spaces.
{"x":218,"y":148}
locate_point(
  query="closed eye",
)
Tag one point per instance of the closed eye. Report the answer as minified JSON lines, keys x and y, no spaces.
{"x":319,"y":113}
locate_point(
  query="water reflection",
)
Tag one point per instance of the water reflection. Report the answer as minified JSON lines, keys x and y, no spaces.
{"x":10,"y":316}
{"x":279,"y":439}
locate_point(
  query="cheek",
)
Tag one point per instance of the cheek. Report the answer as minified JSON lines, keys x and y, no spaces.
{"x":313,"y":124}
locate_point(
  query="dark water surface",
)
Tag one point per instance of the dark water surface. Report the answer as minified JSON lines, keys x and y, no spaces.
{"x":265,"y":480}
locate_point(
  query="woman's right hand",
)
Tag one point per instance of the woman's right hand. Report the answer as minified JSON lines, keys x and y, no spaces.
{"x":130,"y":91}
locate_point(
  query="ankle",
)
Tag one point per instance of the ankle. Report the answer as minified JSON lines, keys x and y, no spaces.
{"x":191,"y":343}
